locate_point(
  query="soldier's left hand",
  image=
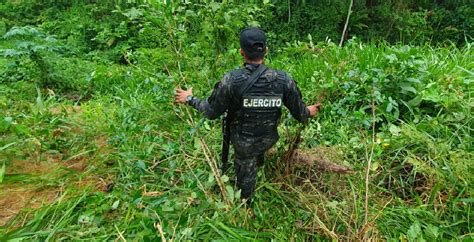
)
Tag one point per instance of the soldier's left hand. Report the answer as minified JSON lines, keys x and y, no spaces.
{"x":180,"y":94}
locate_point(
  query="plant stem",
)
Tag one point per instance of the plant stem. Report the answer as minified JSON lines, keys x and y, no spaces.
{"x":349,"y":11}
{"x":369,"y":160}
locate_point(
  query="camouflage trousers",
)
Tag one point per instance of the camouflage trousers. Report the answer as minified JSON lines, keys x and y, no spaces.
{"x":246,"y":173}
{"x":249,"y":154}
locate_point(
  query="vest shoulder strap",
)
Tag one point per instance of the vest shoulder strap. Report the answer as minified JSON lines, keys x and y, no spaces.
{"x":238,"y":76}
{"x":282,"y":76}
{"x":250,"y":81}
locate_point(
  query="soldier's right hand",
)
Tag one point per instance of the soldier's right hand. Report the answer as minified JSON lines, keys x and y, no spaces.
{"x":313,"y":109}
{"x":180,"y":94}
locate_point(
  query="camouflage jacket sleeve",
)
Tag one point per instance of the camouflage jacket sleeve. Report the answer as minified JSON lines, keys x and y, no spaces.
{"x":218,"y":102}
{"x":294,"y":102}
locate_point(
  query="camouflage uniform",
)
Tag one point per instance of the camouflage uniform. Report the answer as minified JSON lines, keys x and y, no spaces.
{"x":257,"y":114}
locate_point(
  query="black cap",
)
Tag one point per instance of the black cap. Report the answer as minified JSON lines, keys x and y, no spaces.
{"x":253,"y":40}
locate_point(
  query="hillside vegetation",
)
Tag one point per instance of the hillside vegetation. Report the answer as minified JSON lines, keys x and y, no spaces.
{"x":93,"y":147}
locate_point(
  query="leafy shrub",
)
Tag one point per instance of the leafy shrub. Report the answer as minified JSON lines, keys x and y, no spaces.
{"x":30,"y":55}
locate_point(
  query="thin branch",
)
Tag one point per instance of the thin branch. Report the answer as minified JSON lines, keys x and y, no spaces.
{"x":120,"y":235}
{"x":158,"y":226}
{"x":369,"y":160}
{"x":349,"y":11}
{"x":207,"y":153}
{"x":289,"y":11}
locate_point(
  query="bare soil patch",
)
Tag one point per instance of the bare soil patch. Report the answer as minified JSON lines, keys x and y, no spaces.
{"x":23,"y":192}
{"x":14,"y":198}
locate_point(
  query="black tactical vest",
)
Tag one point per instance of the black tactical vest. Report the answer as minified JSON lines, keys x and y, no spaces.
{"x":258,"y":110}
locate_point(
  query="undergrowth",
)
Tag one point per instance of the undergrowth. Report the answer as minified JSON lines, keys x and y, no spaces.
{"x":154,"y":157}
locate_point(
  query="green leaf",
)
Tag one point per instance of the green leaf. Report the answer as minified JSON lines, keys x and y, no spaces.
{"x":21,"y":31}
{"x":230,"y":231}
{"x":415,"y":101}
{"x":467,"y":200}
{"x":414,"y":231}
{"x":11,"y":52}
{"x":141,"y":164}
{"x":2,"y":172}
{"x":374,"y":166}
{"x":407,"y":87}
{"x":133,"y":13}
{"x":414,"y":80}
{"x":432,"y":231}
{"x":21,"y":129}
{"x":230,"y":192}
{"x":115,"y":205}
{"x":391,"y":57}
{"x":395,"y":130}
{"x":6,"y":146}
{"x":389,"y":108}
{"x":3,"y":28}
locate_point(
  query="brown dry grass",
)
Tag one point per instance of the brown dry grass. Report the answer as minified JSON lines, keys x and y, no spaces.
{"x":320,"y":158}
{"x":14,"y":198}
{"x":18,"y":196}
{"x":66,"y":108}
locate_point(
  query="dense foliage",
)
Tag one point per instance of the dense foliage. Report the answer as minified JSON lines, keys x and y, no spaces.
{"x":395,"y":21}
{"x":92,"y":83}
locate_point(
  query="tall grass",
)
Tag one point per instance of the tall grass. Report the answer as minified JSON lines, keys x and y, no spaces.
{"x":420,"y":179}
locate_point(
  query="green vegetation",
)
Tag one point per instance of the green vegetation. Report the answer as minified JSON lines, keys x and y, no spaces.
{"x":89,"y":133}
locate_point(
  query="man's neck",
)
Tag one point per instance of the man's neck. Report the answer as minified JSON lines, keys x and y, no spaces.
{"x":254,"y":62}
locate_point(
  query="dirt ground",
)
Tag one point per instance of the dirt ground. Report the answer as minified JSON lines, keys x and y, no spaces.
{"x":16,"y":196}
{"x":27,"y":182}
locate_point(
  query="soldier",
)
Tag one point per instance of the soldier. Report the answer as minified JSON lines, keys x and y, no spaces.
{"x":253,"y":106}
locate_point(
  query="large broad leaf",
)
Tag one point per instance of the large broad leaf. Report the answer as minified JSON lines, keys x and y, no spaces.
{"x":413,"y":80}
{"x":25,"y":44}
{"x":415,"y":101}
{"x":407,"y":87}
{"x":395,"y":130}
{"x":230,"y":192}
